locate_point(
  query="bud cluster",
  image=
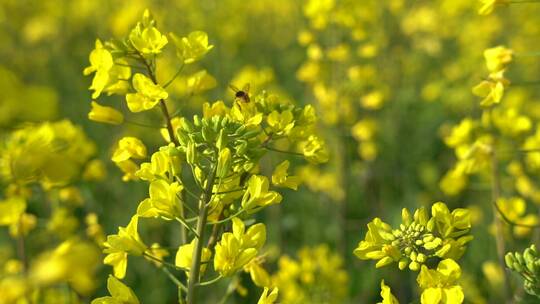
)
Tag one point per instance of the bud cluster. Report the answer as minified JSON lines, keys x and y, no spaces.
{"x":527,"y":264}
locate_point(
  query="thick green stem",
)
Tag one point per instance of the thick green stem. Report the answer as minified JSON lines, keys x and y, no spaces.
{"x":194,"y":270}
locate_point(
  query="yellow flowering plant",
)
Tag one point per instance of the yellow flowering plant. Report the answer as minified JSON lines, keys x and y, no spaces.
{"x":206,"y":177}
{"x":392,"y":83}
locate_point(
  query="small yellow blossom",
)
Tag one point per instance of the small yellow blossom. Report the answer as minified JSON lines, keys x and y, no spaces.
{"x":101,"y":62}
{"x":185,"y":254}
{"x":257,"y":195}
{"x":268,"y":298}
{"x":118,"y":246}
{"x":281,"y":178}
{"x":439,"y":285}
{"x":497,"y":58}
{"x":148,"y":94}
{"x":239,"y":247}
{"x":491,"y":91}
{"x":193,"y":47}
{"x":129,"y":147}
{"x":104,"y":114}
{"x":145,"y":38}
{"x":387,"y":296}
{"x":120,"y":293}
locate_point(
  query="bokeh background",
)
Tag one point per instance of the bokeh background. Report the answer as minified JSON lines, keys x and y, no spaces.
{"x":388,"y":79}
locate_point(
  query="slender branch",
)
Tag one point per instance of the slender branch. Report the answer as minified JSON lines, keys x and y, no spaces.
{"x":188,"y":227}
{"x":153,"y":258}
{"x":521,"y":1}
{"x":509,"y":221}
{"x":206,"y":196}
{"x":525,"y":83}
{"x":183,"y":232}
{"x":130,"y":66}
{"x":230,"y":290}
{"x":229,"y":191}
{"x":191,"y":194}
{"x":499,"y":233}
{"x":527,"y":54}
{"x":162,"y":104}
{"x":210,"y":282}
{"x":283,"y":151}
{"x":174,"y":77}
{"x":530,"y":150}
{"x":165,"y":112}
{"x":170,"y":128}
{"x":142,"y":124}
{"x":227,"y":218}
{"x":21,"y":248}
{"x":173,"y":278}
{"x":212,"y":240}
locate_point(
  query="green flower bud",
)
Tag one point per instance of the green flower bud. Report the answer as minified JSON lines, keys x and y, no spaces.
{"x":414,"y":266}
{"x":428,"y":238}
{"x":221,"y":141}
{"x":191,"y":153}
{"x":403,"y":263}
{"x":224,"y":162}
{"x":444,"y":250}
{"x":196,"y":121}
{"x":383,"y":262}
{"x":509,"y":259}
{"x":407,"y":250}
{"x":186,"y":125}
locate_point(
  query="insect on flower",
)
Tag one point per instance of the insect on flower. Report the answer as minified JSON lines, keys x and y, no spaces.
{"x":243,"y":94}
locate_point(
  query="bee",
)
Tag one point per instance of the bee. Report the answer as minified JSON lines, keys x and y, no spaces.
{"x":243,"y":178}
{"x":243,"y":94}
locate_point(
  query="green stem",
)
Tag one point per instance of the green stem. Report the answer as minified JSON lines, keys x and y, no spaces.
{"x":527,"y":54}
{"x":174,"y":77}
{"x":522,"y":1}
{"x":162,"y":104}
{"x":139,"y":124}
{"x":199,"y":241}
{"x":499,"y":232}
{"x":173,"y":278}
{"x":191,"y":194}
{"x":153,"y":258}
{"x":168,"y":121}
{"x":183,"y":222}
{"x":229,"y":191}
{"x":227,"y":218}
{"x":210,"y":282}
{"x":130,"y":66}
{"x":283,"y":151}
{"x":509,"y":221}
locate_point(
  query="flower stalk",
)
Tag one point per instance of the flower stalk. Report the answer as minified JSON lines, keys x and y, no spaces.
{"x":206,"y":196}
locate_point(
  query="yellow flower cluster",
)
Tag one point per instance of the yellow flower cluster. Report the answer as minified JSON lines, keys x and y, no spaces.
{"x":208,"y":173}
{"x":418,"y":239}
{"x":492,"y":89}
{"x":317,"y":276}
